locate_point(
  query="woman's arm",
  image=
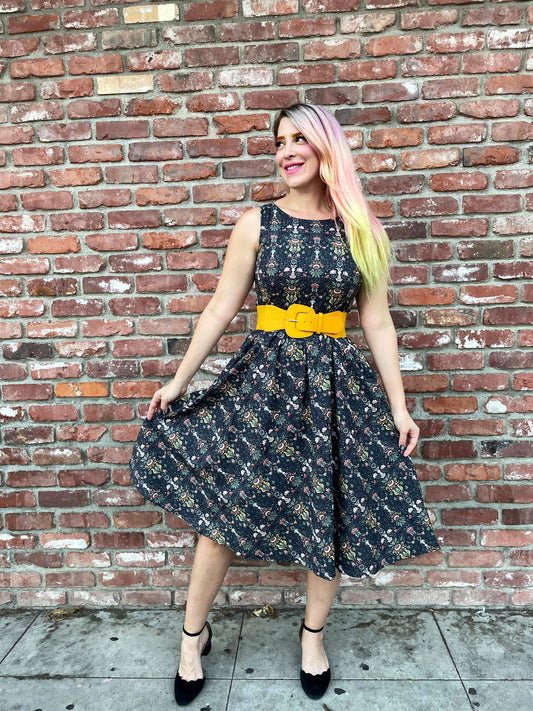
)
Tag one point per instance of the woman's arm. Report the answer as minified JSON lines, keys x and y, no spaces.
{"x":232,"y":289}
{"x":380,"y":335}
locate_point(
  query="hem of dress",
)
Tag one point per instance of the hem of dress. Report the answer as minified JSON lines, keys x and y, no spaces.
{"x":414,"y":553}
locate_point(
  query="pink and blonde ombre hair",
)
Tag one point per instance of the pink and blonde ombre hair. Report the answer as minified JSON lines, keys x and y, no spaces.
{"x":367,"y":239}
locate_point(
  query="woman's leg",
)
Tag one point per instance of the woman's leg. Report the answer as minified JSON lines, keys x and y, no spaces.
{"x":211,"y":563}
{"x":319,"y":598}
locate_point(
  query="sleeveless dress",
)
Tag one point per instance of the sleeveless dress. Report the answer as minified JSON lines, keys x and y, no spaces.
{"x":291,"y":454}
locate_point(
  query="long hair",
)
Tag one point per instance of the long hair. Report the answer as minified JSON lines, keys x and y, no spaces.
{"x":367,"y":240}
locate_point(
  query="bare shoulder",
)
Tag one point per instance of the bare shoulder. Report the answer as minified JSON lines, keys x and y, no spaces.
{"x":250,"y":223}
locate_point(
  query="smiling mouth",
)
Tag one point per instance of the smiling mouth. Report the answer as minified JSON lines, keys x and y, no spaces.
{"x":293,"y":168}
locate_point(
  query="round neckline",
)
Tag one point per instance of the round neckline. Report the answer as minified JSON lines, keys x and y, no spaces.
{"x":304,"y":219}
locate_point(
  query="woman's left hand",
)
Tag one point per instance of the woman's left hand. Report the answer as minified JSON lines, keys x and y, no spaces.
{"x":408,"y":430}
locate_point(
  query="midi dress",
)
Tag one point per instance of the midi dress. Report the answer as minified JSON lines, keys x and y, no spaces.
{"x":291,"y":453}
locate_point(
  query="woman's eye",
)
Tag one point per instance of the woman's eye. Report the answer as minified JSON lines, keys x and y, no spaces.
{"x":279,"y":143}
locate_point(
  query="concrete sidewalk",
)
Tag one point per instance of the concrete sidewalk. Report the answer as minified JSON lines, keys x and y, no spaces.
{"x":381,"y":660}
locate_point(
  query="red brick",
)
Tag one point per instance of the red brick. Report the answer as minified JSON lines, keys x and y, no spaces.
{"x":394,"y":137}
{"x":315,"y":74}
{"x":455,"y":361}
{"x":429,"y":66}
{"x":122,"y":129}
{"x":64,"y":132}
{"x":85,"y":108}
{"x":394,"y":184}
{"x":430,"y":158}
{"x":480,"y":381}
{"x":424,"y":252}
{"x":475,"y":598}
{"x":511,"y":539}
{"x":18,"y":47}
{"x":509,"y":179}
{"x":38,"y":111}
{"x":451,"y":404}
{"x":56,"y":200}
{"x":453,"y":578}
{"x":488,"y":294}
{"x":374,"y":162}
{"x":424,"y":113}
{"x":521,"y":428}
{"x":476,"y":559}
{"x":492,"y":16}
{"x":37,"y":155}
{"x":368,"y":71}
{"x":461,"y":449}
{"x":442,"y":182}
{"x":427,"y":19}
{"x":491,"y":155}
{"x":458,"y":133}
{"x":32,"y":23}
{"x":508,"y":579}
{"x":201,"y":11}
{"x":518,"y":84}
{"x":212,"y":56}
{"x":447,"y":88}
{"x":384,"y":92}
{"x":107,"y":64}
{"x":72,"y":42}
{"x":418,"y":207}
{"x":515,"y":315}
{"x":426,"y":296}
{"x":489,"y":108}
{"x":95,"y":154}
{"x":505,"y":493}
{"x":151,"y":107}
{"x":48,"y":67}
{"x":325,"y":49}
{"x":469,"y":517}
{"x":477,"y":427}
{"x":516,"y":359}
{"x":496,"y":62}
{"x":450,"y":317}
{"x":459,"y":42}
{"x":522,"y":558}
{"x":447,"y":492}
{"x":484,"y":338}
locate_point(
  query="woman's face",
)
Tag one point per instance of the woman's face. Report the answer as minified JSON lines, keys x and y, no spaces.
{"x":297,"y":162}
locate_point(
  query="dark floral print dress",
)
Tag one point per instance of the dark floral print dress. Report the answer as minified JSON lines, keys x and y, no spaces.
{"x":291,"y":454}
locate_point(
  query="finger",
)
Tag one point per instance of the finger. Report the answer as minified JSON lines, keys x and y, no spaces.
{"x":413,"y":439}
{"x":403,"y":438}
{"x":153,"y":407}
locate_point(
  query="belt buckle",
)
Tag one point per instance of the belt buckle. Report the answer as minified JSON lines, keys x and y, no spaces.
{"x":293,"y":324}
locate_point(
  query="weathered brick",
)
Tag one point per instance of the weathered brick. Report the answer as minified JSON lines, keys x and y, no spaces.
{"x":485,"y":108}
{"x":406,"y":44}
{"x":32,"y":23}
{"x":447,"y":88}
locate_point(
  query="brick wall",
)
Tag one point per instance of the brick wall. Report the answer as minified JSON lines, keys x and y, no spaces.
{"x":132,"y":139}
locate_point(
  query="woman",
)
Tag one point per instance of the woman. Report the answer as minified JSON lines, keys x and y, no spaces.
{"x":294,"y":453}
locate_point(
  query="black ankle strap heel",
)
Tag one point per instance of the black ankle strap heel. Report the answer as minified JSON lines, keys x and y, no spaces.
{"x":314,"y":685}
{"x":186,"y":691}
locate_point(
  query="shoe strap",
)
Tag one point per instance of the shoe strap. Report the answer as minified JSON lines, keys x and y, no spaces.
{"x":309,"y":629}
{"x":193,"y":634}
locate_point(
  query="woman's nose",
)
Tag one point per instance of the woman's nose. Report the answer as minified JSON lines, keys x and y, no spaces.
{"x":288,"y":150}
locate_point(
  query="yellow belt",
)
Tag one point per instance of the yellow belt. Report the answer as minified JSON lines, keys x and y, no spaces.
{"x":300,"y":321}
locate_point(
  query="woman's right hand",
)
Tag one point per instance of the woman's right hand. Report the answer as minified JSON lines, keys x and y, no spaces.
{"x":165,"y":395}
